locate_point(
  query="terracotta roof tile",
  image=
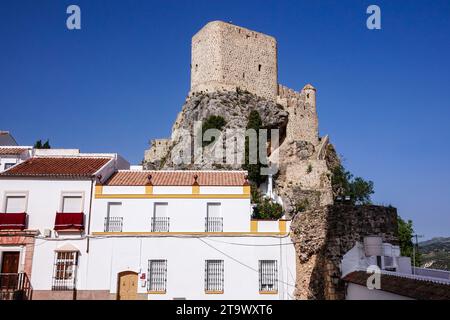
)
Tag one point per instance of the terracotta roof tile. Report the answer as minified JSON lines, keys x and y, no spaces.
{"x":63,"y":166}
{"x":11,"y":151}
{"x":178,"y":178}
{"x":414,"y":288}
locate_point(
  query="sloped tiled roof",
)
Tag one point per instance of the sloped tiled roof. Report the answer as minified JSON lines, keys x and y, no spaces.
{"x":177,"y":178}
{"x":62,"y":166}
{"x":419,"y":289}
{"x":11,"y":151}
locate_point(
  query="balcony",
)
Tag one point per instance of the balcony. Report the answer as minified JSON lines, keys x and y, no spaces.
{"x":13,"y":221}
{"x":160,"y":224}
{"x":15,"y":286}
{"x":113,"y":224}
{"x":213,"y":224}
{"x":69,"y":221}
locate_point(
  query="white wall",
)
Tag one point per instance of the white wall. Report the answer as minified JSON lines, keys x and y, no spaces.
{"x":357,"y":292}
{"x":186,"y":262}
{"x":186,"y":215}
{"x":44,"y":197}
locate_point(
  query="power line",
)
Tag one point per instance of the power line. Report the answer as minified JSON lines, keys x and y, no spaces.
{"x":240,"y":262}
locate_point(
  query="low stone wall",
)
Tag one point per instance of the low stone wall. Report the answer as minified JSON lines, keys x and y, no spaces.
{"x":323,"y":235}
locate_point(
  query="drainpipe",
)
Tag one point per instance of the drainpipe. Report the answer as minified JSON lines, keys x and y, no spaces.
{"x":90,"y":212}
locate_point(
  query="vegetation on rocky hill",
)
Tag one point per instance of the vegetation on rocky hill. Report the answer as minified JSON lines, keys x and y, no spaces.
{"x":436,"y":253}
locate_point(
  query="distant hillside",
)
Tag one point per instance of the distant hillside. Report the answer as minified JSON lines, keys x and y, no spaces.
{"x":436,"y":253}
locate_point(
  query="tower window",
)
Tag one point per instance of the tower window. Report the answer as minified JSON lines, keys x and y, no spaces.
{"x":243,"y":75}
{"x":259,"y":67}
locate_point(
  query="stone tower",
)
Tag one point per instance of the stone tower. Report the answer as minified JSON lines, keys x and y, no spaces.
{"x":226,"y":57}
{"x":303,"y":122}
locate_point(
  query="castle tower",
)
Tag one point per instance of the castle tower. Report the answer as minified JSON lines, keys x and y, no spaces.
{"x":303,"y":123}
{"x":226,"y":57}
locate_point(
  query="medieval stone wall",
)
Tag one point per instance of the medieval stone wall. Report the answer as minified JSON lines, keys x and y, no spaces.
{"x":323,"y":235}
{"x":303,"y":122}
{"x":226,"y":57}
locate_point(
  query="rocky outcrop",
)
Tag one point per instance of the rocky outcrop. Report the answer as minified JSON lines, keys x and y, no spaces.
{"x":235,"y":108}
{"x":323,"y":235}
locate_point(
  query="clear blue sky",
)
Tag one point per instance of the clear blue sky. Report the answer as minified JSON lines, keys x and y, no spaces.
{"x":383,"y":96}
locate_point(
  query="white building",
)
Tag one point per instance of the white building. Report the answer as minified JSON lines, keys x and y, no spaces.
{"x":376,"y":271}
{"x":97,"y":232}
{"x":12,"y":155}
{"x":44,"y":200}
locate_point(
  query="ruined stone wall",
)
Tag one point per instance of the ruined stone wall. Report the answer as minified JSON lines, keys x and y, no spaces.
{"x":158,"y":150}
{"x":303,"y":122}
{"x":323,"y":235}
{"x":225,"y":56}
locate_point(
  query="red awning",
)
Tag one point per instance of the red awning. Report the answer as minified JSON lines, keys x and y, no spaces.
{"x":13,"y":221}
{"x":69,"y":221}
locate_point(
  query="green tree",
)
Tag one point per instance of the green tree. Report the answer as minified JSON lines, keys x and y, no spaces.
{"x":345,"y":184}
{"x":39,"y":145}
{"x":405,"y":238}
{"x":212,"y":122}
{"x":254,"y":169}
{"x":267,"y":209}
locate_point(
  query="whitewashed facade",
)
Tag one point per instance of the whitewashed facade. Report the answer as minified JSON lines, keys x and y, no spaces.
{"x":161,"y":238}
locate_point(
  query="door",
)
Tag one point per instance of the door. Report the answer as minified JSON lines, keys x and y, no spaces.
{"x":9,"y":271}
{"x":128,"y":282}
{"x":10,"y":262}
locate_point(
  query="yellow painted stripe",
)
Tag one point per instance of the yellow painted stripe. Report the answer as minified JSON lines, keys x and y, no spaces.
{"x":187,"y":233}
{"x":282,"y":225}
{"x":172,"y":196}
{"x":268,"y":292}
{"x":98,"y":189}
{"x":195,"y":189}
{"x":254,"y":226}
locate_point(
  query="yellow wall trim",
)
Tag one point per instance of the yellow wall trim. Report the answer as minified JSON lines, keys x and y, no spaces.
{"x":98,"y":189}
{"x":156,"y":292}
{"x":253,"y":226}
{"x":204,"y":234}
{"x":268,"y":292}
{"x":246,"y":190}
{"x":148,"y":189}
{"x":213,"y":292}
{"x":172,"y":196}
{"x":195,"y":189}
{"x":282,"y":225}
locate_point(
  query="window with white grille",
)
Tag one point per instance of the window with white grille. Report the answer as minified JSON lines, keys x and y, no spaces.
{"x":268,"y":276}
{"x":214,"y":276}
{"x":157,"y":275}
{"x":65,"y":270}
{"x":72,"y":204}
{"x":16,"y":204}
{"x":160,"y":220}
{"x":113,"y":220}
{"x":214,"y":221}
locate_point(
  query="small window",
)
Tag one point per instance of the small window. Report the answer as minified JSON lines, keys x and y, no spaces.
{"x":16,"y":204}
{"x":243,"y":75}
{"x":160,"y":220}
{"x":268,"y":276}
{"x":214,"y":276}
{"x":259,"y":67}
{"x":65,"y":270}
{"x":214,"y":220}
{"x":8,"y":165}
{"x":113,"y":220}
{"x":72,"y":204}
{"x":157,"y":275}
